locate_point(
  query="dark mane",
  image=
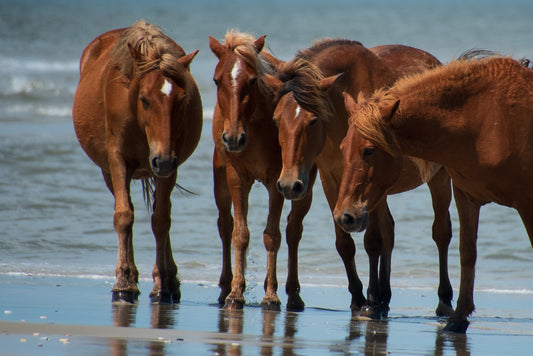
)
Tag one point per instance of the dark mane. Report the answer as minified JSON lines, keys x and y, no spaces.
{"x":301,"y":77}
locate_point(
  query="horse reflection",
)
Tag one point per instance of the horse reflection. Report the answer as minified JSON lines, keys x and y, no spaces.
{"x":231,"y":322}
{"x":124,"y":315}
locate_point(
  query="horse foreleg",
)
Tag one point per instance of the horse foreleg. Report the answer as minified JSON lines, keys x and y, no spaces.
{"x":441,"y":195}
{"x":293,"y":233}
{"x":344,"y":245}
{"x":127,"y":275}
{"x":379,"y":242}
{"x":468,"y":212}
{"x":166,"y":284}
{"x":272,"y":241}
{"x":240,"y":237}
{"x":225,"y":224}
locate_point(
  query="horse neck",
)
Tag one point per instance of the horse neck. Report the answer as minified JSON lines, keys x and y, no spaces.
{"x":363,"y":72}
{"x":420,"y":129}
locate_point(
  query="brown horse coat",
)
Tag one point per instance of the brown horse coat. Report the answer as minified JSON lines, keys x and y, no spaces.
{"x":313,"y":121}
{"x":476,"y":119}
{"x":138,"y":114}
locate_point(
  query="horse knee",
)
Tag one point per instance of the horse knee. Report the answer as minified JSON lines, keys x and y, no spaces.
{"x":123,"y":221}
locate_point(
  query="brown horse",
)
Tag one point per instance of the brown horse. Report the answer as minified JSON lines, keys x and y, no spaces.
{"x":247,"y":149}
{"x":473,"y":117}
{"x":312,"y":122}
{"x":138,"y":114}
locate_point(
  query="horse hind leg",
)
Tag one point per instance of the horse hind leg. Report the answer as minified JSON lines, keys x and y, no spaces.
{"x":166,"y":284}
{"x":127,"y":275}
{"x":441,"y":194}
{"x":293,"y":233}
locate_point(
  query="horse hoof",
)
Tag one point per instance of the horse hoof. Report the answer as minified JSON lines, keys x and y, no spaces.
{"x":271,"y":306}
{"x":375,"y":312}
{"x":444,"y":309}
{"x":161,"y":298}
{"x":295,"y":304}
{"x":233,"y":304}
{"x":124,"y":297}
{"x":455,"y":326}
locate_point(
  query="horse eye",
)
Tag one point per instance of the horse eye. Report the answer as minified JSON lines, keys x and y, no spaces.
{"x":145,"y":102}
{"x":216,"y":81}
{"x":368,"y":151}
{"x":276,"y":122}
{"x":253,"y":80}
{"x":313,"y":122}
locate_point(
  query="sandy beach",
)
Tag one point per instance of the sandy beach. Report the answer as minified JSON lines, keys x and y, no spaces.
{"x":67,"y":316}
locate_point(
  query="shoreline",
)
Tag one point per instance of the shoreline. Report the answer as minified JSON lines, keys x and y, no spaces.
{"x":63,"y":316}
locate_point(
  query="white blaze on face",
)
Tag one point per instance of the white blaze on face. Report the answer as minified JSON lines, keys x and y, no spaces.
{"x":235,"y":72}
{"x":297,"y":111}
{"x":166,"y":88}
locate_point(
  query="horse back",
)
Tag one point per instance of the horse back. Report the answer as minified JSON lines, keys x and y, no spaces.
{"x":405,"y":60}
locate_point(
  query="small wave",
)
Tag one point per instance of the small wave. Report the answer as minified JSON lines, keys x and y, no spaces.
{"x":37,"y":65}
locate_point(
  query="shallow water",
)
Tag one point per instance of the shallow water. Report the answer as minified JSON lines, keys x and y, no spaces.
{"x":56,"y":214}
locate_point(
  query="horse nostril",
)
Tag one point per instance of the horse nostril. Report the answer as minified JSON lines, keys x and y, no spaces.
{"x":242,"y":140}
{"x":155,"y":163}
{"x":174,"y":163}
{"x":278,"y":185}
{"x":225,"y":137}
{"x":348,"y":219}
{"x":298,"y":187}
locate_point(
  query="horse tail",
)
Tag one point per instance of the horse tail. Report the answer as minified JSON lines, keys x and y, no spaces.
{"x":148,"y":188}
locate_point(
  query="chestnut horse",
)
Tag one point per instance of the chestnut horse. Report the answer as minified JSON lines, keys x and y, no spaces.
{"x":312,"y":122}
{"x":473,"y":117}
{"x":138,"y":115}
{"x":247,"y":149}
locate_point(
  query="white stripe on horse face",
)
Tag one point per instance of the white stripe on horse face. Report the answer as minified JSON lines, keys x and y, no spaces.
{"x":297,"y":111}
{"x":166,"y":88}
{"x":235,"y":72}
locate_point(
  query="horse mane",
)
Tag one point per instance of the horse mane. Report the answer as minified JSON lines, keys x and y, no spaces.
{"x":467,"y":75}
{"x":158,"y":52}
{"x":242,"y":44}
{"x":301,"y":77}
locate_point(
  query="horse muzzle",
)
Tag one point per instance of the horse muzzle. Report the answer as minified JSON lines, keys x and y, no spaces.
{"x":163,"y":166}
{"x":352,"y":222}
{"x":234,"y":143}
{"x":292,"y":189}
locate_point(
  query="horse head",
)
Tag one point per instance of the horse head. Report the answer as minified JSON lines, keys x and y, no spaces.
{"x":370,"y":169}
{"x":159,"y":94}
{"x":301,"y":115}
{"x":239,"y":77}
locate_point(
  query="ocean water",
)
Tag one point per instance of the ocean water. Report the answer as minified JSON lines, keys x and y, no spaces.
{"x":56,"y":213}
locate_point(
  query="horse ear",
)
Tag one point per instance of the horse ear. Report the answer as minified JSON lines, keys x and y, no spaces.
{"x":349,"y":103}
{"x":394,"y":108}
{"x":326,"y":83}
{"x":273,"y":82}
{"x":277,"y":63}
{"x":259,"y":43}
{"x":216,"y":47}
{"x":187,"y":59}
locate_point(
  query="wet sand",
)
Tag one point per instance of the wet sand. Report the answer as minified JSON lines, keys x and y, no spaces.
{"x":67,"y":316}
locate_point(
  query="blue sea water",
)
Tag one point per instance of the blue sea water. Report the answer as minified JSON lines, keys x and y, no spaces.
{"x":56,"y":213}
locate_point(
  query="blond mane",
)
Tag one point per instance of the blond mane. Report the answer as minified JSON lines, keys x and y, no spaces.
{"x":242,"y":44}
{"x":158,"y":51}
{"x":466,"y":77}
